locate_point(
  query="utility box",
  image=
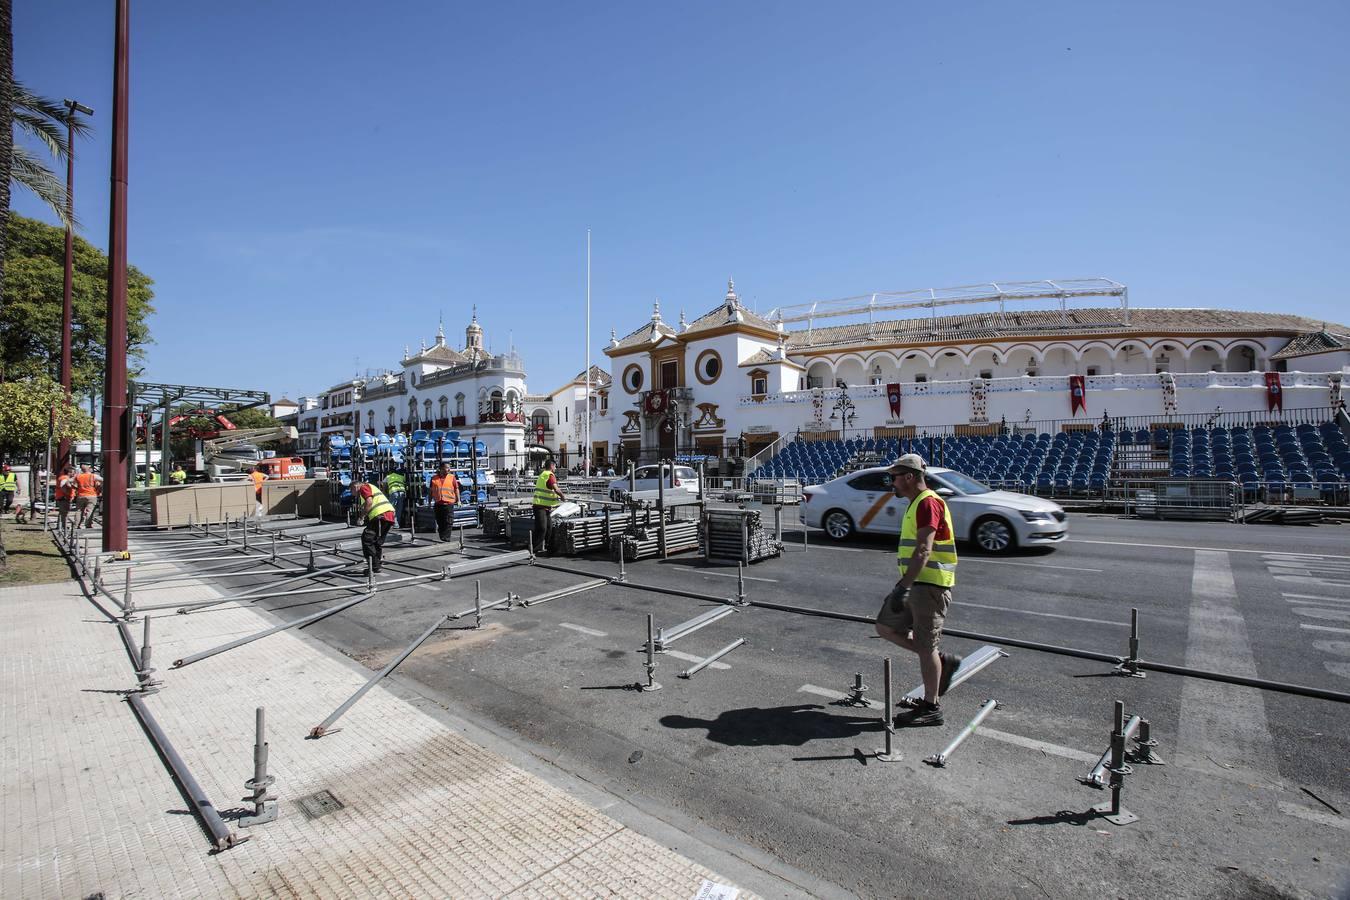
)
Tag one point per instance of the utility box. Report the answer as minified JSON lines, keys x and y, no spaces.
{"x":294,"y":496}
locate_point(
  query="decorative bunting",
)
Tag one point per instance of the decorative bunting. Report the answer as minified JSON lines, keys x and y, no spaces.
{"x":893,"y":397}
{"x":1274,"y":393}
{"x":1077,"y":394}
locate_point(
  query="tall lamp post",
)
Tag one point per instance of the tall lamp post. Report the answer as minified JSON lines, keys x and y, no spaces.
{"x":67,"y":305}
{"x":115,"y":358}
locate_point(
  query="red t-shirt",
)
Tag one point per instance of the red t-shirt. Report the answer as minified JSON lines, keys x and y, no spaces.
{"x":365,"y":494}
{"x":928,"y":514}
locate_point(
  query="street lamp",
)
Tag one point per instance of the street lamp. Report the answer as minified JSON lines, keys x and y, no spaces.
{"x":843,"y":409}
{"x":67,"y":305}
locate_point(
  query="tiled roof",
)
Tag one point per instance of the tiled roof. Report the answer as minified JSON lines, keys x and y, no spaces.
{"x":720,"y":315}
{"x":1313,"y":342}
{"x":1046,"y":323}
{"x":440,"y":353}
{"x":644,"y":334}
{"x":599,"y":377}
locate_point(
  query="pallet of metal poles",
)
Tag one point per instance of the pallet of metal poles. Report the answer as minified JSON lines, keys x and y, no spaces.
{"x":737,"y":534}
{"x":580,"y":534}
{"x":680,"y":538}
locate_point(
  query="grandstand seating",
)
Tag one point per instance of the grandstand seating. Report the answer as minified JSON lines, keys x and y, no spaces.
{"x":1312,"y":458}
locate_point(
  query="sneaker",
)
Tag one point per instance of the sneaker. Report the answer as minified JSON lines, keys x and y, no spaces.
{"x":923,"y":714}
{"x":950,"y":663}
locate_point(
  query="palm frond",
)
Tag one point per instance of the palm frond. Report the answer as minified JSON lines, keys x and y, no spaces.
{"x":28,"y":171}
{"x":45,"y":119}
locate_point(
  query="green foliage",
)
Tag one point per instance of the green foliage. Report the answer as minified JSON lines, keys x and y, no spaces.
{"x":30,"y":318}
{"x":26,"y":409}
{"x":45,"y":121}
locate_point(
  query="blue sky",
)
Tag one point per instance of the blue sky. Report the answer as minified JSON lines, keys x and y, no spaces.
{"x":312,"y":184}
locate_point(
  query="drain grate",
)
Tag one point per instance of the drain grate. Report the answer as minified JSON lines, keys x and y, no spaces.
{"x":320,"y":803}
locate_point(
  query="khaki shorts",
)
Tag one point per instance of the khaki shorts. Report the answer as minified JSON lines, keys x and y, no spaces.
{"x":924,"y":611}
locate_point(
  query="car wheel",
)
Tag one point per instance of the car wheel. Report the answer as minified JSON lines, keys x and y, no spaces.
{"x":838,"y":525}
{"x":994,"y":535}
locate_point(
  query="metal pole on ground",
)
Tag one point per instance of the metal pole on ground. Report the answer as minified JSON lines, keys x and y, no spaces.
{"x":651,"y":684}
{"x":1129,"y":667}
{"x":889,"y":754}
{"x":939,"y":760}
{"x":1112,"y":811}
{"x":264,"y":804}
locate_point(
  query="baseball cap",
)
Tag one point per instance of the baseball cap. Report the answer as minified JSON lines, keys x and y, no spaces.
{"x":910,"y":462}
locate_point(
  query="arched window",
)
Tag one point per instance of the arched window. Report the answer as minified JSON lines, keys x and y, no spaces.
{"x":370,"y":420}
{"x":426,"y":410}
{"x":412,"y":413}
{"x":445,"y":407}
{"x":496,"y":400}
{"x":391,"y":414}
{"x":459,"y":404}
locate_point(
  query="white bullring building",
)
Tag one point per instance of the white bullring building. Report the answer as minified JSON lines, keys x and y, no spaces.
{"x":965,"y":360}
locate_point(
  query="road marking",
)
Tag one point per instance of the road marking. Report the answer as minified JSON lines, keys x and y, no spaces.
{"x":1331,"y":615}
{"x":1325,"y":628}
{"x":1029,"y":612}
{"x":1042,"y":746}
{"x":1313,"y":815}
{"x":1029,"y":743}
{"x":1008,"y":562}
{"x":689,"y":657}
{"x":1215,"y":549}
{"x":428,"y":587}
{"x":841,"y":549}
{"x":1306,"y":581}
{"x":746,"y":577}
{"x":1304,"y":598}
{"x":1222,"y":726}
{"x":584,"y":630}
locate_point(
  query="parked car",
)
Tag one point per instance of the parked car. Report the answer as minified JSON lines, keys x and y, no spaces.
{"x":996,"y":521}
{"x":686,"y":479}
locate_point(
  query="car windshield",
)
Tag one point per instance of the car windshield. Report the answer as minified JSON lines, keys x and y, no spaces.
{"x":684,"y":472}
{"x":962,"y":483}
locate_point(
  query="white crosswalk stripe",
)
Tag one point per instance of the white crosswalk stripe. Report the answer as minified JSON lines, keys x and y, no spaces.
{"x":1329,"y":580}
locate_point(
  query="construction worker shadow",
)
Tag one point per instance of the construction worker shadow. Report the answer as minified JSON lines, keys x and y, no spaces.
{"x":790,"y":726}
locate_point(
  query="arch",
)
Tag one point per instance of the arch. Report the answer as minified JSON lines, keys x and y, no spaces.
{"x":973,"y":354}
{"x":850,"y":369}
{"x":1205,"y":355}
{"x":820,"y":372}
{"x":1111,"y":350}
{"x":882,"y":368}
{"x":391,"y":413}
{"x":459,"y":404}
{"x":1077,"y":352}
{"x":412,"y":413}
{"x":1237,"y":361}
{"x":1013,"y":355}
{"x":443,"y":405}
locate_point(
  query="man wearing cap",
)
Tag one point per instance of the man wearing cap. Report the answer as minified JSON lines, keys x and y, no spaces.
{"x":912,"y":614}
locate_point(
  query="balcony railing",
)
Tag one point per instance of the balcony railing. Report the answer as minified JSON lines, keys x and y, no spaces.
{"x":509,"y":417}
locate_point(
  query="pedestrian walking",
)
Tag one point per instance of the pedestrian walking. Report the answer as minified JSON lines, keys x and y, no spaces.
{"x":396,"y":488}
{"x":547,"y":495}
{"x":913,"y":612}
{"x":64,"y":494}
{"x":444,"y":497}
{"x":374,"y":508}
{"x":9,"y":488}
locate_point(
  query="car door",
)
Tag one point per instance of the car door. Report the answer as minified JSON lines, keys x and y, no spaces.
{"x":873,"y":505}
{"x":964,"y":509}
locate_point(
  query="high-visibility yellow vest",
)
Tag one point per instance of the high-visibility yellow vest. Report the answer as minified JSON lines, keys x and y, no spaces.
{"x":543,"y":494}
{"x":9,"y":482}
{"x":941,"y":567}
{"x":178,"y":476}
{"x":395,"y":483}
{"x":378,"y":504}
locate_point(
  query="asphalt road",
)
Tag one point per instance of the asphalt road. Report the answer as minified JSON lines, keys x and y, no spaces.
{"x":754,"y":747}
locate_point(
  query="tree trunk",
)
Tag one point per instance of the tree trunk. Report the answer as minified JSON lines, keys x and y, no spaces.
{"x":6,"y":158}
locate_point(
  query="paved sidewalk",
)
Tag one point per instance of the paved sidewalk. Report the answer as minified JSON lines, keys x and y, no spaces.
{"x":89,"y":807}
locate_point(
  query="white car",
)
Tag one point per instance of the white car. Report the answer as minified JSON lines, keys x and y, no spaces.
{"x":686,"y":480}
{"x":996,"y":521}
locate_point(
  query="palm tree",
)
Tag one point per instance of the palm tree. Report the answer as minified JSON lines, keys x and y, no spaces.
{"x":6,"y":151}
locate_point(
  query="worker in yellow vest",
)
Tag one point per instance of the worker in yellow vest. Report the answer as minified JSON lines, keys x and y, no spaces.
{"x":9,"y":488}
{"x":377,"y":512}
{"x":444,"y":497}
{"x":547,"y":495}
{"x":913,"y":612}
{"x":178,"y":476}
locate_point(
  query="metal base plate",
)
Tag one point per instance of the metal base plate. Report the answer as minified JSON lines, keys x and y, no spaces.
{"x":654,"y":686}
{"x":269,"y":814}
{"x":883,"y":756}
{"x":1124,"y":817}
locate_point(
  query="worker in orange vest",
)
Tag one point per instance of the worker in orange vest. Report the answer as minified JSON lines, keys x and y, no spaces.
{"x":258,"y":479}
{"x":64,"y":495}
{"x":88,"y":485}
{"x":444,"y":496}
